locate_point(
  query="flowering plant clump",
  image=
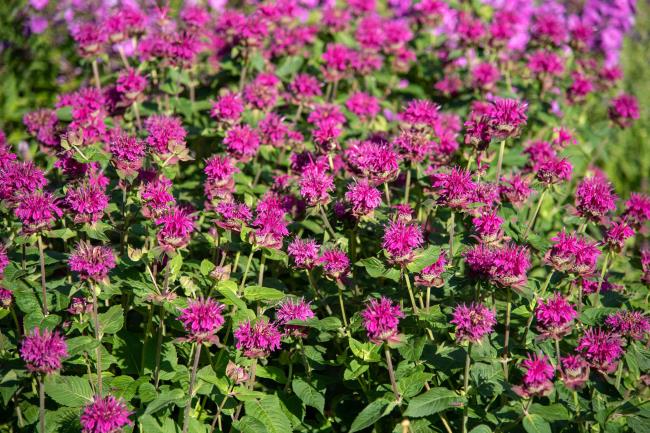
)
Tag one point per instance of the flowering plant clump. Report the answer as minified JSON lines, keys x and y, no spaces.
{"x":313,"y":215}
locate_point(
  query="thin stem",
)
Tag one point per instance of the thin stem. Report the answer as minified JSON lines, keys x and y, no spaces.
{"x":428,"y":302}
{"x":410,"y":290}
{"x":98,"y":337}
{"x":407,"y":190}
{"x":532,"y":313}
{"x":41,"y":405}
{"x":387,"y":193}
{"x":98,"y":83}
{"x":531,"y":221}
{"x":502,"y":148}
{"x":188,"y":407}
{"x":12,"y":310}
{"x":468,"y":361}
{"x":603,"y":272}
{"x":248,"y":267}
{"x":217,"y":415}
{"x":260,"y":278}
{"x":136,"y":111}
{"x":328,"y":226}
{"x":451,"y":227}
{"x":161,"y":327}
{"x":507,"y":334}
{"x":391,"y":373}
{"x":305,"y":361}
{"x":317,"y":294}
{"x":41,"y":255}
{"x":339,"y":284}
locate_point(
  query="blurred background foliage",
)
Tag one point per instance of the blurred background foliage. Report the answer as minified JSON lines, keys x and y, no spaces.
{"x":34,"y":69}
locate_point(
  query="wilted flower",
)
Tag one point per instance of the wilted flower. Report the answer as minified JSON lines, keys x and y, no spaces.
{"x":105,"y":415}
{"x":380,"y":318}
{"x":473,"y":322}
{"x":43,"y":351}
{"x":258,"y":340}
{"x":6,"y":298}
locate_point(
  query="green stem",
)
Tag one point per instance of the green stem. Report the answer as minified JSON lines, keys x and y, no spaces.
{"x":410,"y":290}
{"x":328,"y":226}
{"x":468,"y":361}
{"x":41,"y":255}
{"x":41,"y":405}
{"x":451,"y":227}
{"x":305,"y":361}
{"x":260,"y":278}
{"x":98,"y":83}
{"x":603,"y":272}
{"x":502,"y":147}
{"x":407,"y":190}
{"x":339,"y":284}
{"x":387,"y":193}
{"x":531,"y":221}
{"x":188,"y":407}
{"x":98,"y":337}
{"x":248,"y":268}
{"x":532,"y":311}
{"x":507,"y":334}
{"x":391,"y":373}
{"x":317,"y":294}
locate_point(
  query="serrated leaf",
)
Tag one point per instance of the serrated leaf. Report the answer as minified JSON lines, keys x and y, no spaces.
{"x":433,"y":401}
{"x":268,"y":410}
{"x":250,"y":424}
{"x":424,"y":259}
{"x":259,"y":293}
{"x":534,"y":423}
{"x":308,"y":393}
{"x":112,"y":320}
{"x":69,"y":391}
{"x":368,"y":352}
{"x":164,"y":399}
{"x":481,"y":429}
{"x":371,"y":414}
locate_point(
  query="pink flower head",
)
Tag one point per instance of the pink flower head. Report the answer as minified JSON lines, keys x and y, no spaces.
{"x":270,"y":224}
{"x":594,"y":198}
{"x":571,"y":253}
{"x":79,"y":305}
{"x":228,"y":108}
{"x":259,"y":340}
{"x":87,"y":202}
{"x":37,"y":211}
{"x":20,"y":178}
{"x":105,"y":415}
{"x":363,"y":105}
{"x":316,"y":185}
{"x":400,"y":241}
{"x":219,"y":171}
{"x":128,"y":152}
{"x":623,"y":110}
{"x":485,"y":75}
{"x":202,"y":319}
{"x":515,"y":189}
{"x":507,"y":116}
{"x":637,"y":209}
{"x":545,"y":64}
{"x":488,"y":225}
{"x":380,"y":318}
{"x":262,"y":93}
{"x":454,"y":188}
{"x":336,"y":263}
{"x":537,"y":377}
{"x":304,"y":253}
{"x":337,"y":59}
{"x":91,"y":262}
{"x":4,"y":260}
{"x":632,"y":324}
{"x":131,"y":84}
{"x":305,"y":87}
{"x":294,"y":310}
{"x":554,"y":170}
{"x":473,"y":322}
{"x":165,"y":133}
{"x":478,"y":132}
{"x":43,"y":351}
{"x":575,"y":372}
{"x":378,"y":162}
{"x":555,"y":317}
{"x":242,"y":142}
{"x":420,"y":112}
{"x":363,"y":198}
{"x":505,"y":265}
{"x":157,"y":197}
{"x":44,"y":125}
{"x":90,"y":38}
{"x":233,"y":215}
{"x":176,"y":227}
{"x":431,"y":276}
{"x":602,"y":349}
{"x":617,"y":233}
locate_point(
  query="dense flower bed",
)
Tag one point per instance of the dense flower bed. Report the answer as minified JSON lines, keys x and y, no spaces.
{"x":303,"y":216}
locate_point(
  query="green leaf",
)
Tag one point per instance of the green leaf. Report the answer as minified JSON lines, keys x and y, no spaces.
{"x":229,"y":291}
{"x":424,"y":259}
{"x":111,"y":321}
{"x":269,"y":412}
{"x":372,"y":413}
{"x":249,"y":424}
{"x":412,"y":385}
{"x":433,"y":401}
{"x":552,"y":412}
{"x":289,"y":66}
{"x":534,"y":423}
{"x":69,"y":391}
{"x":376,"y":269}
{"x":309,"y":395}
{"x":206,"y":267}
{"x":481,"y":429}
{"x":368,"y":352}
{"x":259,"y":293}
{"x":175,"y":266}
{"x":164,"y":399}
